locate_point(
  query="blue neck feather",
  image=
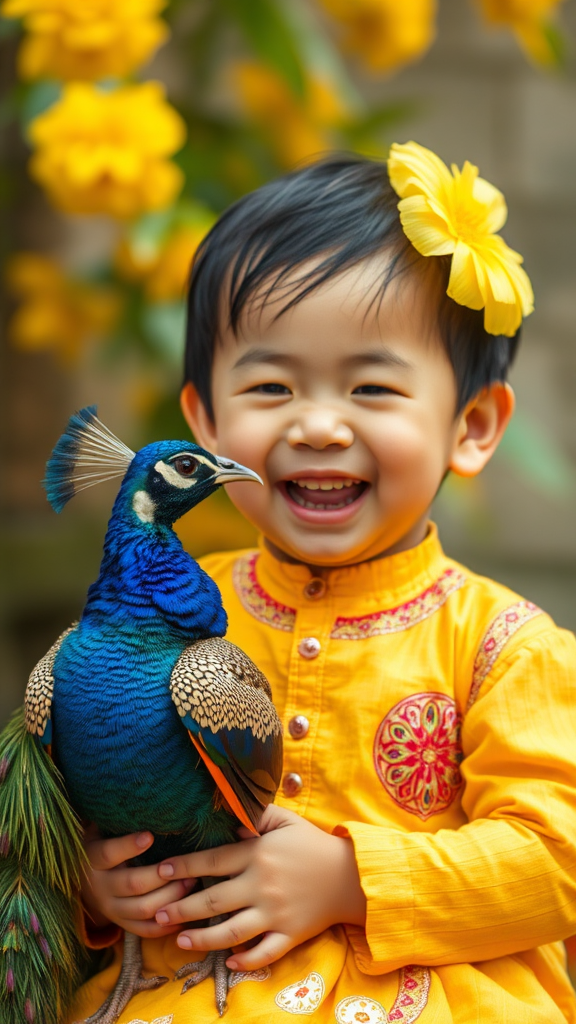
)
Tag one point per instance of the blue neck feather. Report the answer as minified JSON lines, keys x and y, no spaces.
{"x":148,"y":583}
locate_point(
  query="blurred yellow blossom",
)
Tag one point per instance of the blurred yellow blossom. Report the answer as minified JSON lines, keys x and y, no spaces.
{"x":385,"y":34}
{"x":163,"y":271}
{"x":530,"y":20}
{"x":296,"y":130}
{"x":458,"y":214}
{"x":56,"y":313}
{"x":86,"y":39}
{"x":106,"y":152}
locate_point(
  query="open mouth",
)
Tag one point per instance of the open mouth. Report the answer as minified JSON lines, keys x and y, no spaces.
{"x":328,"y":495}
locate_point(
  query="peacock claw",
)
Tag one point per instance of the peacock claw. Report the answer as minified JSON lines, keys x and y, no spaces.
{"x":129,"y":983}
{"x":214,"y":963}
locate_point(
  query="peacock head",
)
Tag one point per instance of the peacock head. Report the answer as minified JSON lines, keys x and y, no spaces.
{"x":161,"y":482}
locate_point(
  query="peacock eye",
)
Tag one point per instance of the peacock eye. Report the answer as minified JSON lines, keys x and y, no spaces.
{"x":185,"y":465}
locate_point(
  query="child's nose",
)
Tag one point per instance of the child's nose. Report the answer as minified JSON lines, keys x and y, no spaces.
{"x":318,"y":428}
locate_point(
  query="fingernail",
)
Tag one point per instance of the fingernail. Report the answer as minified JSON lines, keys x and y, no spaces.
{"x":166,"y":870}
{"x":232,"y":965}
{"x":144,"y":839}
{"x":184,"y":942}
{"x":162,"y":917}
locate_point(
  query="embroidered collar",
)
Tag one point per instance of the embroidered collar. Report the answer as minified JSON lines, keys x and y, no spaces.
{"x":392,"y":593}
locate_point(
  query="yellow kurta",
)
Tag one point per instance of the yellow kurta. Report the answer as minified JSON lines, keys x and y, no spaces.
{"x":430,"y":715}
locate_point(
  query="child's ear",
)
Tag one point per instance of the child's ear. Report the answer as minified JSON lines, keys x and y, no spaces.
{"x":197,"y":418}
{"x":480,"y":428}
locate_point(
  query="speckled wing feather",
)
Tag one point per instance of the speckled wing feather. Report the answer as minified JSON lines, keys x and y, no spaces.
{"x":225,"y":702}
{"x":38,"y":698}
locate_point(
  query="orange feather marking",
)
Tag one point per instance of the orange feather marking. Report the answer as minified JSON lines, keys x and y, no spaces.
{"x":224,"y":786}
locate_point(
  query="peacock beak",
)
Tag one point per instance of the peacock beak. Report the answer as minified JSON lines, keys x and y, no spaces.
{"x":228,"y":472}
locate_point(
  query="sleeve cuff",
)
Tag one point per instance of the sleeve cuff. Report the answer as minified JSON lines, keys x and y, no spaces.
{"x":97,"y":938}
{"x":385,"y":878}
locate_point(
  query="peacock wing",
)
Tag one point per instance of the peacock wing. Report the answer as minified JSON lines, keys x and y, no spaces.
{"x":40,"y":690}
{"x":226,"y":705}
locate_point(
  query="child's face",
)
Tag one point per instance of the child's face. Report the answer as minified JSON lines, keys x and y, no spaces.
{"x":346,"y":412}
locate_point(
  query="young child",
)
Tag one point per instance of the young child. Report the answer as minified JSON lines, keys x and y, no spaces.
{"x":349,"y":336}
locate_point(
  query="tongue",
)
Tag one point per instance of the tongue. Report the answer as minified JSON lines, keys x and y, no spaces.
{"x":332,"y":497}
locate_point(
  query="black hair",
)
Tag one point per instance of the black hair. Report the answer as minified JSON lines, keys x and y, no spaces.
{"x":336,"y":212}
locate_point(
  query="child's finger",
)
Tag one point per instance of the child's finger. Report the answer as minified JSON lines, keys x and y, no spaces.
{"x":224,"y":898}
{"x":148,"y":929}
{"x":237,"y":929}
{"x":143,"y":908}
{"x":272,"y":946}
{"x":125,"y":882}
{"x":222,"y":860}
{"x":109,"y":853}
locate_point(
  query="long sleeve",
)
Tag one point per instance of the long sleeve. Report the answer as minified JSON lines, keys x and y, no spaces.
{"x":505,"y":881}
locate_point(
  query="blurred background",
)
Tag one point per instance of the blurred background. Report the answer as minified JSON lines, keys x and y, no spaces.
{"x":127,"y":126}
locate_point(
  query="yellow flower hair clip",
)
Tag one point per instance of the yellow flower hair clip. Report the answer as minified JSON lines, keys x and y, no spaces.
{"x":458,"y":213}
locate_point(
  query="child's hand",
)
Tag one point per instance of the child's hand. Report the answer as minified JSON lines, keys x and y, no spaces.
{"x":128,"y":896}
{"x":287,"y":886}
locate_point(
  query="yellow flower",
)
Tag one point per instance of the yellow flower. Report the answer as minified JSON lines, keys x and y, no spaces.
{"x":385,"y":33}
{"x":86,"y":39}
{"x":163,"y":271}
{"x":296,"y":130}
{"x":530,"y":21}
{"x":458,"y":214}
{"x":106,"y":152}
{"x":56,"y":313}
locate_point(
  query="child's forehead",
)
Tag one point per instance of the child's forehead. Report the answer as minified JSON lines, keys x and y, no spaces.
{"x":373,"y":296}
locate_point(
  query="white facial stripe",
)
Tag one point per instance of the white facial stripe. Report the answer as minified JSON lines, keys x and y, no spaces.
{"x":143,"y":506}
{"x":172,"y":477}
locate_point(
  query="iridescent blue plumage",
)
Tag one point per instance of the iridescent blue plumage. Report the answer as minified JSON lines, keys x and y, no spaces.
{"x":128,"y":700}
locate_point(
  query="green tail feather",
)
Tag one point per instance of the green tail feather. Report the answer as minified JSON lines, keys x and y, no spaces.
{"x":41,"y":860}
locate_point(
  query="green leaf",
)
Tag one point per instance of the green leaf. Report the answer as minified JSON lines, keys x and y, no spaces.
{"x":269,"y":34}
{"x":537,"y":458}
{"x":9,"y":28}
{"x":557,"y":44}
{"x":37,"y":99}
{"x":164,"y":324}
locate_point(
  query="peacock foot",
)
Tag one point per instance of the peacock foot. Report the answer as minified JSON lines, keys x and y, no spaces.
{"x":129,"y":983}
{"x":213,"y":964}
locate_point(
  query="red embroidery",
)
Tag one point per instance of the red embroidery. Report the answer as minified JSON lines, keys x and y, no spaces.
{"x":255,"y":599}
{"x":417,"y":753}
{"x":394,"y":620}
{"x":495,"y":639}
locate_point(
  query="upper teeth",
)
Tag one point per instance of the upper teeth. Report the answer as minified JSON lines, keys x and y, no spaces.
{"x":325,"y":485}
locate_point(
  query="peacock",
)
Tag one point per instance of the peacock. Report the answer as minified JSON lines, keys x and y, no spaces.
{"x":140,"y":717}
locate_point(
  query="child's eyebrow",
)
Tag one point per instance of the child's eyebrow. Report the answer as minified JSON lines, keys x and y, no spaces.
{"x":374,"y":357}
{"x":262,"y":355}
{"x":379,"y":357}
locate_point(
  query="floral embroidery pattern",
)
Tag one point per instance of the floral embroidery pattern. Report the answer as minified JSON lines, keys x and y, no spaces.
{"x":262,"y":974}
{"x":157,"y":1020}
{"x":495,"y":639}
{"x":302,"y":997}
{"x":394,"y":620}
{"x":417,"y":753}
{"x":255,"y":599}
{"x":361,"y":1009}
{"x":411,"y":999}
{"x":412,"y":994}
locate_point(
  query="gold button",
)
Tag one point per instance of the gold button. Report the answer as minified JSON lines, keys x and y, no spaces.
{"x":315,"y":588}
{"x":298,"y":727}
{"x":309,"y":647}
{"x":292,"y":784}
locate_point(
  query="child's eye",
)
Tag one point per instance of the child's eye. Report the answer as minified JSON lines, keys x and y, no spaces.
{"x":373,"y":389}
{"x":271,"y":389}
